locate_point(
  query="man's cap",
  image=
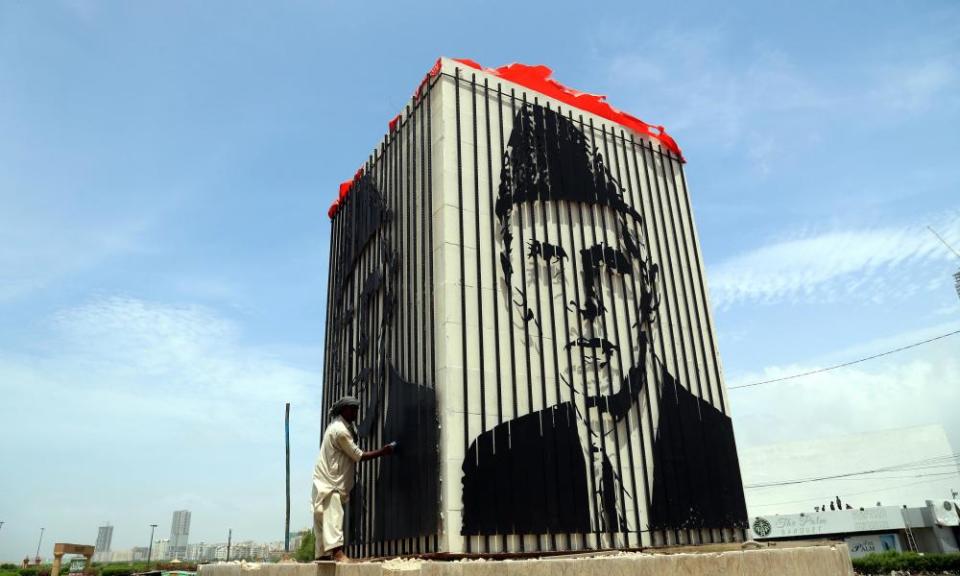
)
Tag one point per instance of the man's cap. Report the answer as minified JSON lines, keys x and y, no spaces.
{"x":343,"y":403}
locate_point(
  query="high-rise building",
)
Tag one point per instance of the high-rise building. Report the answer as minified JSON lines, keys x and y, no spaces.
{"x":161,"y":550}
{"x":179,"y":534}
{"x":517,"y":295}
{"x":104,"y":539}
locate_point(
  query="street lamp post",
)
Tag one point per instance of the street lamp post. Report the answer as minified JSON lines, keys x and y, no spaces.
{"x":150,"y":547}
{"x":37,"y":555}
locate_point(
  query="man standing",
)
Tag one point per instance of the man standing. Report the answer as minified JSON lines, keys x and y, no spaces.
{"x":333,"y":477}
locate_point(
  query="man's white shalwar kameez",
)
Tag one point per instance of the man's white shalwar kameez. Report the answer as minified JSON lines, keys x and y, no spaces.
{"x":333,"y":478}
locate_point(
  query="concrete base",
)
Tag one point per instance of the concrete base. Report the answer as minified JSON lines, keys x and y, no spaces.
{"x":782,"y":560}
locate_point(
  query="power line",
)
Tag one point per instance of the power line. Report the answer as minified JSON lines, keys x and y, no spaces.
{"x":845,"y":364}
{"x":906,"y":466}
{"x":940,"y":238}
{"x":933,"y":475}
{"x":872,"y":478}
{"x":846,"y":495}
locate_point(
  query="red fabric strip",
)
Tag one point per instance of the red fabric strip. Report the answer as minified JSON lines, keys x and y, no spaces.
{"x":535,"y":78}
{"x":539,"y":78}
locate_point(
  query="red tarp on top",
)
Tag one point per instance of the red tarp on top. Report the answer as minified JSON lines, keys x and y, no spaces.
{"x":539,"y":78}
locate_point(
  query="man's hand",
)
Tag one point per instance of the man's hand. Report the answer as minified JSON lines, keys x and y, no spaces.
{"x":386,"y":450}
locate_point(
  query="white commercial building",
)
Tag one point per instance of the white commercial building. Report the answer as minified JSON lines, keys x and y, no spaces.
{"x":161,"y":549}
{"x":933,"y":527}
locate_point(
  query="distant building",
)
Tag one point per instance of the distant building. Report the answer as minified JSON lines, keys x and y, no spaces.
{"x":123,"y":555}
{"x":161,"y":550}
{"x":933,"y":528}
{"x":139,"y":553}
{"x":179,"y":534}
{"x":104,"y":539}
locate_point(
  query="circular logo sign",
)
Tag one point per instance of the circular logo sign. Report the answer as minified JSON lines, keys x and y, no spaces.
{"x":947,"y":506}
{"x":761,"y":527}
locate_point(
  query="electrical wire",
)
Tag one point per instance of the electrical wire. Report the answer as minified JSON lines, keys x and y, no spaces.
{"x":845,"y":364}
{"x":931,"y":475}
{"x":924,"y":463}
{"x":845,"y":495}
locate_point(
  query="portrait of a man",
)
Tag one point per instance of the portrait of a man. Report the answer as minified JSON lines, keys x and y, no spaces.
{"x":569,"y":467}
{"x":367,"y":284}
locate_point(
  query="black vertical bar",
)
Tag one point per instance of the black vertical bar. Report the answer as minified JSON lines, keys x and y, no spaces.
{"x":668,"y":277}
{"x":669,"y":192}
{"x":421,"y":342}
{"x":509,"y":299}
{"x":627,"y":185}
{"x":624,"y":376}
{"x":566,"y":320}
{"x":586,"y":385}
{"x":526,"y":303}
{"x":541,"y":203}
{"x":386,"y":546}
{"x":675,"y":270}
{"x":432,"y":244}
{"x":526,"y":342}
{"x":689,"y":297}
{"x":409,"y":263}
{"x":286,"y":518}
{"x":463,"y":289}
{"x":331,"y":319}
{"x":493,"y":274}
{"x":479,"y":282}
{"x":383,"y":346}
{"x":685,"y":220}
{"x":598,"y":208}
{"x":703,"y":293}
{"x":650,"y":245}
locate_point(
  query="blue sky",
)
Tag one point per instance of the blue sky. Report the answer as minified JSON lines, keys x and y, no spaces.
{"x":165,"y":169}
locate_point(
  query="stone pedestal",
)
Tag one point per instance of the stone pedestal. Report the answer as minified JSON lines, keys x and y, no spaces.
{"x":784,"y":560}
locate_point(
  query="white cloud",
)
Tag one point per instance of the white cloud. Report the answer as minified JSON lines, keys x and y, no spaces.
{"x":37,"y":249}
{"x":785,"y":430}
{"x":770,"y":102}
{"x":151,"y":407}
{"x":916,"y":86}
{"x":874,"y":263}
{"x":913,"y":387}
{"x":684,"y":86}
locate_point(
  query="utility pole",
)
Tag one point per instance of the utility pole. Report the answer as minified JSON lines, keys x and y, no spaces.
{"x":956,"y":277}
{"x":150,"y":547}
{"x":229,"y":540}
{"x":286,"y":524}
{"x":37,"y":555}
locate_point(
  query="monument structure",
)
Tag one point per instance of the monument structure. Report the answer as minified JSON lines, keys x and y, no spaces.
{"x":517,"y":295}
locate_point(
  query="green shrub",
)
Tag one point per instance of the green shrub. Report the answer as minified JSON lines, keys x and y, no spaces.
{"x":306,"y":549}
{"x":885,"y":562}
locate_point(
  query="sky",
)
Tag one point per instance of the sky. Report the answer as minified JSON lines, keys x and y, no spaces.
{"x":166,"y":166}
